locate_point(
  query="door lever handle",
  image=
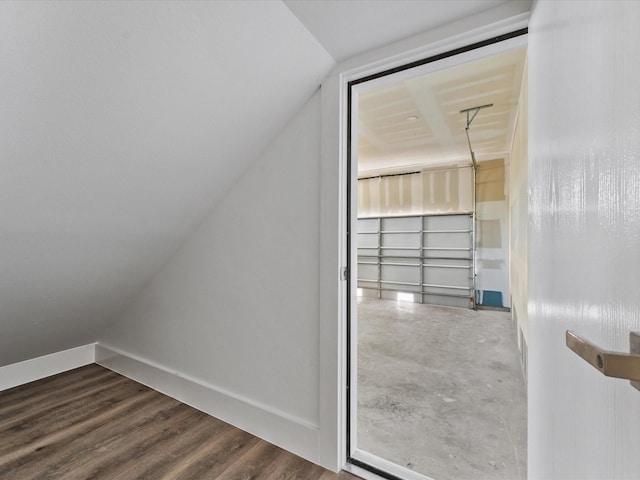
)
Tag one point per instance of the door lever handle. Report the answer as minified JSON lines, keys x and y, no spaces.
{"x":611,"y":364}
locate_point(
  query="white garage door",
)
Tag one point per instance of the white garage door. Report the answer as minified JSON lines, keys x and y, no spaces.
{"x":421,"y":258}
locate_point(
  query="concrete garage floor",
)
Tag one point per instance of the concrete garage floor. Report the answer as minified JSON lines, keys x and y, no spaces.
{"x":441,"y":390}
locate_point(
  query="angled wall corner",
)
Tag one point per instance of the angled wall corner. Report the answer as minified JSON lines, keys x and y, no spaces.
{"x":237,"y":307}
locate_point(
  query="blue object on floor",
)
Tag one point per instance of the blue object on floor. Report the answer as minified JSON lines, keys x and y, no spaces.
{"x":491,"y":298}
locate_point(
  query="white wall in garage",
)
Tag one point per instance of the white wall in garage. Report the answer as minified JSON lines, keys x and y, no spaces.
{"x":519,"y":216}
{"x":492,"y":248}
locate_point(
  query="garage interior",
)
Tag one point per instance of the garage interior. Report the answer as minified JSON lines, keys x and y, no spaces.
{"x":441,"y":347}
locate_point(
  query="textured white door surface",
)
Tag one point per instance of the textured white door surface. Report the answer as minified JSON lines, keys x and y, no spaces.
{"x":584,"y":264}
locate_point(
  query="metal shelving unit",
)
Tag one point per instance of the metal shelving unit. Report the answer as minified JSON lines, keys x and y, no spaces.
{"x":427,"y":256}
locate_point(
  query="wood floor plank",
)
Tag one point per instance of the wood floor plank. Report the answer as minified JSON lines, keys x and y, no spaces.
{"x":93,"y":424}
{"x":126,"y":455}
{"x":44,"y":387}
{"x":181,"y":440}
{"x":38,"y":406}
{"x":38,"y":441}
{"x":279,"y":456}
{"x":291,"y":467}
{"x":252,"y":463}
{"x":85,"y":453}
{"x":212,"y":457}
{"x":69,"y":419}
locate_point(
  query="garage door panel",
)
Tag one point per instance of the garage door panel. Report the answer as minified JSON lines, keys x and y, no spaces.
{"x":400,"y":240}
{"x":390,"y":260}
{"x":392,"y":286}
{"x":401,"y":224}
{"x":433,"y":253}
{"x":367,"y":272}
{"x":366,"y":253}
{"x":367,"y":240}
{"x":447,"y":240}
{"x":368,"y":224}
{"x":446,"y":291}
{"x":406,"y":274}
{"x":448,"y":262}
{"x":401,"y":252}
{"x":446,"y":276}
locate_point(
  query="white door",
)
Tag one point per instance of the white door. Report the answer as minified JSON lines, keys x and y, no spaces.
{"x":584,"y":238}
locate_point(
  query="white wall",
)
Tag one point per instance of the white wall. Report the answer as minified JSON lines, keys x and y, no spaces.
{"x":492,"y":262}
{"x":519,"y":216}
{"x":584,"y":248}
{"x":237,"y":307}
{"x":426,"y":192}
{"x":121,"y":124}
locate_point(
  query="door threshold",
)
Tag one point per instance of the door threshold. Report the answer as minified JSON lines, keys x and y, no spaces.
{"x":387,"y":468}
{"x":361,"y":472}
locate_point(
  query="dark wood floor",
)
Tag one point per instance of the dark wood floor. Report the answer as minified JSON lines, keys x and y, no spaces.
{"x":92,"y":423}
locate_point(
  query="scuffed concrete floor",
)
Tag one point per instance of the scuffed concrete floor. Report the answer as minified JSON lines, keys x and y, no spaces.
{"x":441,"y":390}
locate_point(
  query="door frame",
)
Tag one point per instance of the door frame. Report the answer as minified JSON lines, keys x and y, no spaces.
{"x":336,"y":198}
{"x":458,"y":56}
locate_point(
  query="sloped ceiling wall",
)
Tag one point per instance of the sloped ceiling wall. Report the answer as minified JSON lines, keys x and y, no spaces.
{"x":121,"y":124}
{"x":350,"y":27}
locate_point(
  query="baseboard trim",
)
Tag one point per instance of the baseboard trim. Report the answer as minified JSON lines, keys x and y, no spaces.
{"x":40,"y":367}
{"x":292,"y":434}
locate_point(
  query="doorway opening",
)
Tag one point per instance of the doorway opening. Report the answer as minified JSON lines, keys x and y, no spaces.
{"x":435,"y":380}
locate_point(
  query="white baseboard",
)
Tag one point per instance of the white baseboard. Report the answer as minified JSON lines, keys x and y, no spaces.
{"x":292,"y":434}
{"x":45,"y":366}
